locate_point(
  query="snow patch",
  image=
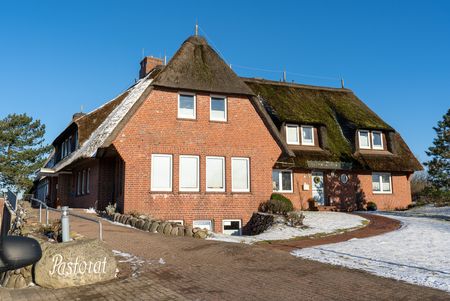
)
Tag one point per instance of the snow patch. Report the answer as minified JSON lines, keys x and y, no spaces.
{"x":90,"y":210}
{"x":416,"y":253}
{"x":136,"y":263}
{"x":315,"y":222}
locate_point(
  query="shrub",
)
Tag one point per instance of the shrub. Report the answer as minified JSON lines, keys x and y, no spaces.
{"x":371,"y":206}
{"x":295,"y":219}
{"x":277,"y":204}
{"x":110,"y":209}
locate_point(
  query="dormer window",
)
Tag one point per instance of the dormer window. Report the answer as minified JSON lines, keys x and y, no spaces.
{"x":307,"y":135}
{"x":294,"y":133}
{"x":364,"y":139}
{"x":377,"y":140}
{"x":370,"y":140}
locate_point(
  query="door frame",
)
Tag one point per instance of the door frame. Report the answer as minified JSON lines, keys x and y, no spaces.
{"x":320,"y":174}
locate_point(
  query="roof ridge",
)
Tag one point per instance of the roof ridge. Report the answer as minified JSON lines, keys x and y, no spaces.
{"x":295,"y":85}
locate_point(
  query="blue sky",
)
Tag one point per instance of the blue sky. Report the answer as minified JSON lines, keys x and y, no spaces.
{"x":56,"y":56}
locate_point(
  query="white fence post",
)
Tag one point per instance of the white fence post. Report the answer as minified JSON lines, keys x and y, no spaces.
{"x":65,"y":223}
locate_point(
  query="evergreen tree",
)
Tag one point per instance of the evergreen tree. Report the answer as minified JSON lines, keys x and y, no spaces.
{"x":439,"y":153}
{"x":22,"y":150}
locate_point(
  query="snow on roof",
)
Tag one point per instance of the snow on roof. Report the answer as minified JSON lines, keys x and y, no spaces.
{"x":98,"y":137}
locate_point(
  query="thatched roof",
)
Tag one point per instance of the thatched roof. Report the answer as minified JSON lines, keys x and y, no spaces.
{"x":338,"y":113}
{"x":196,"y":66}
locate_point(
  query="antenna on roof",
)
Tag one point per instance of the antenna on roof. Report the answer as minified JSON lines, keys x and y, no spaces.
{"x":165,"y":58}
{"x":342,"y":82}
{"x":284,"y":75}
{"x":81,"y":109}
{"x":196,"y":27}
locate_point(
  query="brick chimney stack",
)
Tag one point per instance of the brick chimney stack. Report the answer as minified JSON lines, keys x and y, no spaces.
{"x":147,"y":64}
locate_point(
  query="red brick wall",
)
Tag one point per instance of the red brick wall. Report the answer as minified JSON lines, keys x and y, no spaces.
{"x":63,"y":190}
{"x":346,"y":193}
{"x":88,"y":199}
{"x":299,"y":196}
{"x":401,"y":192}
{"x":154,"y":128}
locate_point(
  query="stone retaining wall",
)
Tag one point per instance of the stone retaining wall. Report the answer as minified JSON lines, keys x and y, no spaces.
{"x":146,"y":223}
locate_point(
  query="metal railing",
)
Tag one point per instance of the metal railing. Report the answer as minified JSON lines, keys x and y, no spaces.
{"x":65,"y":212}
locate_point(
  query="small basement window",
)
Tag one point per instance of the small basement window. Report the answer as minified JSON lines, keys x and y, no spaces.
{"x":381,"y":183}
{"x":282,"y":180}
{"x":186,"y":106}
{"x":218,"y":109}
{"x":231,"y":227}
{"x":176,"y":221}
{"x":203,"y":224}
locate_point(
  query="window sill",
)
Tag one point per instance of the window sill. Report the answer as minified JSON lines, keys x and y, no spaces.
{"x":218,"y":121}
{"x":382,"y":192}
{"x":186,"y":119}
{"x":283,"y":191}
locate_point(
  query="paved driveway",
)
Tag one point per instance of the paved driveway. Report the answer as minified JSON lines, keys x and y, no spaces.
{"x":180,"y":268}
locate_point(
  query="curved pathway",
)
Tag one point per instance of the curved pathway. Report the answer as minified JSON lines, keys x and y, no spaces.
{"x":194,"y":269}
{"x":377,"y":225}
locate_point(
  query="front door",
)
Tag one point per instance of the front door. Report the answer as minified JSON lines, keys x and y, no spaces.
{"x":318,"y":187}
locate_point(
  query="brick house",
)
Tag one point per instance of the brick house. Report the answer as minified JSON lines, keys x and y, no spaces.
{"x":193,"y":142}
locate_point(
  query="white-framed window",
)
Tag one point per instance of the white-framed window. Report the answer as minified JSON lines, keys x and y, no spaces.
{"x":88,"y":179}
{"x":240,"y":174}
{"x":203,"y":224}
{"x":218,"y":108}
{"x":161,"y":172}
{"x":79,"y":183}
{"x":215,"y":174}
{"x":187,"y":106}
{"x":83,"y":182}
{"x":307,"y":135}
{"x":282,"y":180}
{"x":63,"y":149}
{"x":232,"y":227}
{"x":377,"y":140}
{"x":364,"y":139}
{"x":381,"y":182}
{"x":189,"y":173}
{"x":69,"y":145}
{"x":292,"y":136}
{"x":176,"y":221}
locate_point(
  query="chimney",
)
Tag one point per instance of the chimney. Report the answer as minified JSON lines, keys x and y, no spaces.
{"x":147,"y":64}
{"x":77,"y":115}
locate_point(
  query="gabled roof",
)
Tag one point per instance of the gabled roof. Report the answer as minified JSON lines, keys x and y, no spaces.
{"x":339,"y":112}
{"x":196,"y":66}
{"x":102,"y":132}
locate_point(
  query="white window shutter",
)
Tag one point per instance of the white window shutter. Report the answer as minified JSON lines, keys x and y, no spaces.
{"x":215,"y":174}
{"x":240,"y":174}
{"x":189,"y":173}
{"x":161,"y":172}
